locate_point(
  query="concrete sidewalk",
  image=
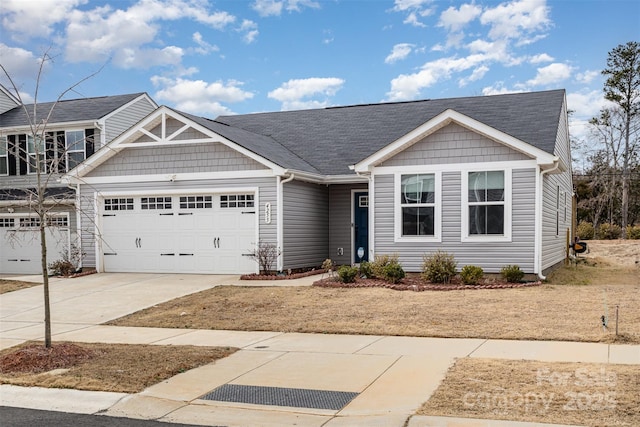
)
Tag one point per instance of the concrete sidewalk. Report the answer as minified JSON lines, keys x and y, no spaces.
{"x":390,"y":376}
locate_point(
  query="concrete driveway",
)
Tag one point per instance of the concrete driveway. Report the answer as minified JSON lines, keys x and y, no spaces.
{"x":91,"y":300}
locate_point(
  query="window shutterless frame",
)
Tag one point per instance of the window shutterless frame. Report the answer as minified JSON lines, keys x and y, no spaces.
{"x":485,"y":202}
{"x":4,"y":156}
{"x":417,"y":200}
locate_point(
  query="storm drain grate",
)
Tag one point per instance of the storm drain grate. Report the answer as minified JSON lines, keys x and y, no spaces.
{"x":281,"y":396}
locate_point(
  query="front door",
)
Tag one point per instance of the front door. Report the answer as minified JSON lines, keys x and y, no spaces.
{"x":361,"y":226}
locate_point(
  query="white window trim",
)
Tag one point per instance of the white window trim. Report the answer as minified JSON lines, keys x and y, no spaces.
{"x":506,"y":237}
{"x":397,"y":208}
{"x":5,"y":157}
{"x":67,"y":151}
{"x":35,"y":154}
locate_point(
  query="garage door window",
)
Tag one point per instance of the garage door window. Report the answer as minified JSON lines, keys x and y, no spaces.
{"x":118,"y":204}
{"x":237,"y":201}
{"x":196,"y":202}
{"x":58,"y":221}
{"x":31,"y":222}
{"x":7,"y":222}
{"x":151,"y":203}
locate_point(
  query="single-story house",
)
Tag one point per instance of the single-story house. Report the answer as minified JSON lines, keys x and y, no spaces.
{"x":75,"y":129}
{"x":485,"y":178}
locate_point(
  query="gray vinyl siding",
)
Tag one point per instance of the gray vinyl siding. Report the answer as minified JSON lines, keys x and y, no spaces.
{"x":266,"y":194}
{"x":6,"y":103}
{"x":177,"y":159}
{"x":127,"y":117}
{"x":340,"y":226}
{"x":554,"y":236}
{"x":454,"y":144}
{"x":305,"y":224}
{"x":491,"y":256}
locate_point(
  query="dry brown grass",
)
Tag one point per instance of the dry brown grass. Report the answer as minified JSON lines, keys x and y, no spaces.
{"x":121,"y":368}
{"x":7,"y":285}
{"x":564,"y":393}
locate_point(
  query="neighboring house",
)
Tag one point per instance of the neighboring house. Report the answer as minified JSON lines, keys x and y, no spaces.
{"x":485,"y":178}
{"x":75,"y":129}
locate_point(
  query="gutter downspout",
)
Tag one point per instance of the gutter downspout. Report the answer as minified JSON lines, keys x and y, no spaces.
{"x":556,"y":166}
{"x":280,"y":218}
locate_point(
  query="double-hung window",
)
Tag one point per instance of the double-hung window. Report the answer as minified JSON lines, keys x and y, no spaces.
{"x":417,"y":207}
{"x":35,"y":153}
{"x":486,"y":201}
{"x":75,"y":148}
{"x":4,"y":156}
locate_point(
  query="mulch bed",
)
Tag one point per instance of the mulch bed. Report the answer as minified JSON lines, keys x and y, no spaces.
{"x":36,"y":358}
{"x":417,"y":284}
{"x":281,"y":276}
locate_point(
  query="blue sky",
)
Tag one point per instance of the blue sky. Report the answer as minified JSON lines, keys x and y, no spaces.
{"x":233,"y":56}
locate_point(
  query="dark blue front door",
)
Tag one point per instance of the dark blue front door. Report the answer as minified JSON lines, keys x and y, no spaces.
{"x":361,"y":225}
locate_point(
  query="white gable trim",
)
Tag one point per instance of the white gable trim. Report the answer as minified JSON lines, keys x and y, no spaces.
{"x":443,"y":119}
{"x":127,"y":138}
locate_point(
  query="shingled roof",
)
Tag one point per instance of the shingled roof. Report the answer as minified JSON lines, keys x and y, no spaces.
{"x":329,"y":140}
{"x":72,"y":110}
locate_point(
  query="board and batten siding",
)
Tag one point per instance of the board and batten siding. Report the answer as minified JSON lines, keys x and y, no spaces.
{"x":454,"y":144}
{"x":305,"y":224}
{"x":266,"y":194}
{"x":127,"y":117}
{"x":557,"y":206}
{"x":340,"y":225}
{"x":491,"y":256}
{"x":177,"y":159}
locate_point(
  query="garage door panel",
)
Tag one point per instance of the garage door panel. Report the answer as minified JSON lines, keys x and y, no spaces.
{"x":21,"y":249}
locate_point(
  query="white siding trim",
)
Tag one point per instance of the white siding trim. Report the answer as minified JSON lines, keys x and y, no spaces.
{"x":179,"y":191}
{"x":353,"y":221}
{"x":537,"y":252}
{"x":279,"y":222}
{"x":464,"y":208}
{"x":455,"y":167}
{"x":397,"y":210}
{"x":195,"y":176}
{"x":372,"y":219}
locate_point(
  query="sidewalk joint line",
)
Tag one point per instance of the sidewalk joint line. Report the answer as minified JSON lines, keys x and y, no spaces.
{"x":478,"y":347}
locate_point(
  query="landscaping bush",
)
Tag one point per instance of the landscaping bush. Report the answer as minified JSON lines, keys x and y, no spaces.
{"x":439,"y":267}
{"x":380,"y":262}
{"x":62,"y":268}
{"x":393,"y":273}
{"x":512,"y":273}
{"x":347,"y":273}
{"x":471,"y":274}
{"x":633,"y":232}
{"x":586,"y":231}
{"x":365,"y":269}
{"x":608,"y":231}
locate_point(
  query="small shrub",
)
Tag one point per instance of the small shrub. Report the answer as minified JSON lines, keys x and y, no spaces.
{"x":265,"y":254}
{"x":608,"y":231}
{"x":439,"y":267}
{"x":365,"y":269}
{"x":347,"y":273}
{"x":633,"y":232}
{"x":585,"y":230}
{"x":62,"y":268}
{"x":380,"y":262}
{"x":471,"y":274}
{"x":393,"y":272}
{"x":512,"y":273}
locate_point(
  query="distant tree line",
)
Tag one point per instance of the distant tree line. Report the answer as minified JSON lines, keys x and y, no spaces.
{"x":608,"y":189}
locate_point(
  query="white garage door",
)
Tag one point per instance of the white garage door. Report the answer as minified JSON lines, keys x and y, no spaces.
{"x":20,"y":243}
{"x":211,"y":233}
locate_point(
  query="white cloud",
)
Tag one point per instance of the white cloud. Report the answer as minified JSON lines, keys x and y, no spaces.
{"x":250,"y":30}
{"x":147,"y":58}
{"x":587,"y":77}
{"x":21,"y":64}
{"x":415,"y":10}
{"x":198,"y":96}
{"x":24,"y":19}
{"x":498,"y":89}
{"x":476,"y":75}
{"x":517,"y":20}
{"x":551,"y":74}
{"x":586,"y":104}
{"x":203,"y":46}
{"x":275,"y":7}
{"x":292,"y":93}
{"x":399,"y":52}
{"x":540,"y":58}
{"x":103,"y":32}
{"x":454,"y":20}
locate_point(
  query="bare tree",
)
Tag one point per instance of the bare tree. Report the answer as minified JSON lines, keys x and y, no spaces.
{"x":623,"y":88}
{"x":33,"y":152}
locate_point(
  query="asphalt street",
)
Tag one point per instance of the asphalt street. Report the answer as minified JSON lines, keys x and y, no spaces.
{"x":20,"y":417}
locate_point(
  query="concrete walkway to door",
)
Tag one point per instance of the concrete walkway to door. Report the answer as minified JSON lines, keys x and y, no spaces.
{"x":94,"y":299}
